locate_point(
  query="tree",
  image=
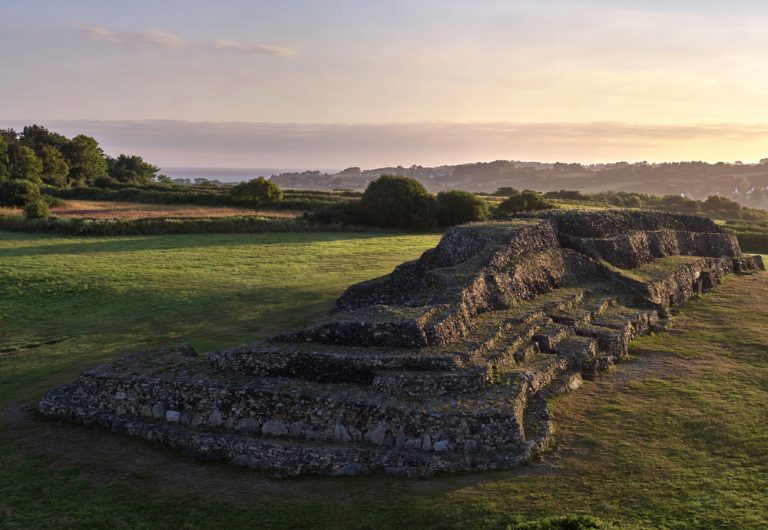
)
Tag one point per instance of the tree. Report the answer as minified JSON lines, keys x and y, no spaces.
{"x":524,"y":202}
{"x":18,"y":192}
{"x":131,"y":170}
{"x":86,"y":159}
{"x":20,"y":171}
{"x":398,"y":202}
{"x":55,"y":167}
{"x":455,"y":207}
{"x":36,"y":137}
{"x":5,"y":170}
{"x":256,"y":192}
{"x":715,"y":204}
{"x":23,"y":163}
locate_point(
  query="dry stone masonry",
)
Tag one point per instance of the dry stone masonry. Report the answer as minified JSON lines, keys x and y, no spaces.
{"x":445,"y":364}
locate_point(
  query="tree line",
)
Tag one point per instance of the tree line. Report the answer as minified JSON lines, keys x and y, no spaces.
{"x":37,"y":157}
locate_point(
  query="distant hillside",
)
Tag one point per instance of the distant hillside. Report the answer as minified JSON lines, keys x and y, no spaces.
{"x":745,"y":183}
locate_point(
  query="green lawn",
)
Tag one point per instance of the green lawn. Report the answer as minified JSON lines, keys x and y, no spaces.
{"x":674,"y":437}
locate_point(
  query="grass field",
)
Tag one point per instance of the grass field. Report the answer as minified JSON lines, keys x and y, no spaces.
{"x":139,"y":210}
{"x":675,"y":437}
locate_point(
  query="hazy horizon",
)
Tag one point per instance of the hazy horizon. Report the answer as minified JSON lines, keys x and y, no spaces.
{"x":238,"y":145}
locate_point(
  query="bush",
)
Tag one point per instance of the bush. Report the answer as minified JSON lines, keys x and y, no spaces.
{"x":104,"y":181}
{"x":256,"y":192}
{"x":456,"y":207}
{"x":573,"y":195}
{"x":525,"y":202}
{"x":18,"y":192}
{"x":36,"y":209}
{"x":340,"y":213}
{"x":505,"y":191}
{"x":398,"y":202}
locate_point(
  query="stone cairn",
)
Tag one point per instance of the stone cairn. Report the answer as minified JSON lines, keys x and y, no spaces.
{"x":445,"y":364}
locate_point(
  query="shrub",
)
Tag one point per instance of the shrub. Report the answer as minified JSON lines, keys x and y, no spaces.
{"x":456,"y":207}
{"x":398,"y":202}
{"x":256,"y":192}
{"x":524,"y":202}
{"x":340,"y":213}
{"x":574,"y":195}
{"x":104,"y":181}
{"x":18,"y":192}
{"x":36,"y":209}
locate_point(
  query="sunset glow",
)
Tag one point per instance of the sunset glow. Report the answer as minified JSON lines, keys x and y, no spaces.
{"x":674,"y":79}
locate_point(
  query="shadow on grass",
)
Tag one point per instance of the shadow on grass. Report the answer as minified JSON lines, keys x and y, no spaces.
{"x":119,"y":244}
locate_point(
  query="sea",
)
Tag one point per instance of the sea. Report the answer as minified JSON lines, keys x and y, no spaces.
{"x":231,"y":174}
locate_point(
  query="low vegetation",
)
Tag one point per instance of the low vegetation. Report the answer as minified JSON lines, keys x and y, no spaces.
{"x":200,"y":194}
{"x":527,"y":201}
{"x":713,"y":206}
{"x":256,"y":192}
{"x":673,"y":438}
{"x":753,"y":235}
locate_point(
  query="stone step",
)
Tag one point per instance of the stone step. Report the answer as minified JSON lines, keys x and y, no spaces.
{"x":589,"y":308}
{"x":628,"y":320}
{"x":613,"y":341}
{"x":549,"y":303}
{"x":495,"y":333}
{"x":573,"y":317}
{"x":422,"y":456}
{"x":540,"y":370}
{"x":329,"y":363}
{"x":548,"y":337}
{"x":421,"y":383}
{"x":577,"y":349}
{"x":309,"y":410}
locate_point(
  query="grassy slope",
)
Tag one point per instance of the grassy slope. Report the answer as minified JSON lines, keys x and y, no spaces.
{"x":676,"y":436}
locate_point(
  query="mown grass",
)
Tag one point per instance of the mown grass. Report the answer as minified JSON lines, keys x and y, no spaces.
{"x":676,"y":437}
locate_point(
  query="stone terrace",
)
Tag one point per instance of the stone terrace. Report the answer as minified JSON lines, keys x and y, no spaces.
{"x":445,"y":364}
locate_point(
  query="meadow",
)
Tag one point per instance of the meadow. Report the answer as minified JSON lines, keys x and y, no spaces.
{"x":675,"y":437}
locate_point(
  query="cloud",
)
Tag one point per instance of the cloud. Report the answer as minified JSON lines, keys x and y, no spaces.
{"x":95,"y":32}
{"x":223,"y":44}
{"x":164,"y":39}
{"x":171,"y":41}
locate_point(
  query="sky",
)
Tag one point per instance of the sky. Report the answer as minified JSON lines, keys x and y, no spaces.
{"x":334,"y":83}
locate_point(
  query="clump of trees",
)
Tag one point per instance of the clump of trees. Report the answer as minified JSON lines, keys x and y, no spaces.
{"x":256,"y":192}
{"x":37,"y":157}
{"x":524,"y":201}
{"x":394,"y":201}
{"x":457,"y":207}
